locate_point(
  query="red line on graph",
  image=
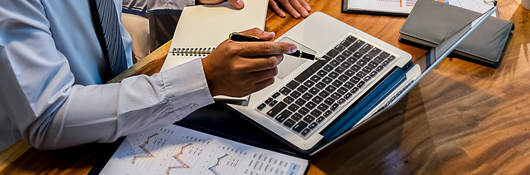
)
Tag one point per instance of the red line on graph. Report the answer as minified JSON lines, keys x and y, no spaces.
{"x":400,"y":3}
{"x":142,"y":146}
{"x":176,"y":157}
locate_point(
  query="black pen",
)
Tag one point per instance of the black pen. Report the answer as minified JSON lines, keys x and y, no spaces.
{"x":235,"y":36}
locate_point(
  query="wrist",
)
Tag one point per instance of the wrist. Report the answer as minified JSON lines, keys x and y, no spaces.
{"x":207,"y":76}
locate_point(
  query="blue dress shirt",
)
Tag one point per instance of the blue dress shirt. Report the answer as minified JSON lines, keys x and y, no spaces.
{"x":57,"y":64}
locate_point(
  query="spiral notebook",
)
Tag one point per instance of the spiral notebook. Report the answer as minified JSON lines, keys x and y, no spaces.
{"x":201,"y":28}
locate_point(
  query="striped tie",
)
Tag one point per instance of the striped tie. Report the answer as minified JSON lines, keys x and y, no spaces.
{"x":107,"y":27}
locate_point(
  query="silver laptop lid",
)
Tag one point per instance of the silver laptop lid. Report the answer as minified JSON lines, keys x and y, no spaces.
{"x":437,"y":54}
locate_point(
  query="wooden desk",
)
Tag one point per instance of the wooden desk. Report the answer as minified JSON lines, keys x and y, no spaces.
{"x":462,"y":119}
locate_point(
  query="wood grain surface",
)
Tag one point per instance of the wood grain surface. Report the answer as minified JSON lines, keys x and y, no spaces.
{"x":463,"y":118}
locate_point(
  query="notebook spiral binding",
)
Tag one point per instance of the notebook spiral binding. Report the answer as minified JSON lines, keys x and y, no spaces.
{"x":191,"y":51}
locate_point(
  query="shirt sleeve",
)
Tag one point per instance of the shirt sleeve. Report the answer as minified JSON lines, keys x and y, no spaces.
{"x":64,"y":114}
{"x":143,"y":7}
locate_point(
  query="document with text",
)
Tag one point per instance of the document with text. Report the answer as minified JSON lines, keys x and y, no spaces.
{"x":179,"y":150}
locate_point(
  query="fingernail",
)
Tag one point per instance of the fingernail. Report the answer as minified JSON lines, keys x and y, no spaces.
{"x":282,"y":14}
{"x":304,"y":13}
{"x":292,"y":49}
{"x":296,"y":15}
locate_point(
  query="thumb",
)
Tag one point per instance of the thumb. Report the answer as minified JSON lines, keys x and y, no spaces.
{"x":238,"y":4}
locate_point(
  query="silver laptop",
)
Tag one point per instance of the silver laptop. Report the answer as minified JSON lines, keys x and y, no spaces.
{"x":313,"y":103}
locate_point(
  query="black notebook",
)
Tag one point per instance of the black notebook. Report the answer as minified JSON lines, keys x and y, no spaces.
{"x":429,"y":22}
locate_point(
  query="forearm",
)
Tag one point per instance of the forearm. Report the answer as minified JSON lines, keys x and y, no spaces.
{"x":103,"y":113}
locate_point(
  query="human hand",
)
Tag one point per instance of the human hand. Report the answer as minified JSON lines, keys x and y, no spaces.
{"x":296,"y":8}
{"x":238,"y":4}
{"x":240,"y":68}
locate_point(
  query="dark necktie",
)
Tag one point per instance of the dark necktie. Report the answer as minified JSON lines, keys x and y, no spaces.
{"x":106,"y":23}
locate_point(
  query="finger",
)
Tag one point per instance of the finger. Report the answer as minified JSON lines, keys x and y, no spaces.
{"x":262,"y":64}
{"x":210,"y":1}
{"x":274,"y":6}
{"x":305,"y":4}
{"x":299,"y":8}
{"x":287,"y":5}
{"x":238,"y":4}
{"x":264,"y":75}
{"x":263,"y":84}
{"x":259,"y":33}
{"x":260,"y":49}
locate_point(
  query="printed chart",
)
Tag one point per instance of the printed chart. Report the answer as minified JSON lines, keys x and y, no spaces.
{"x":178,"y":150}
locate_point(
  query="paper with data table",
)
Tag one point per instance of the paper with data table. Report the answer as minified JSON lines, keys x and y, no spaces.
{"x":179,"y":150}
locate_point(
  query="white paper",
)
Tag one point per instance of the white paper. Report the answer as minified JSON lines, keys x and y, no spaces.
{"x":405,"y":6}
{"x":178,"y":150}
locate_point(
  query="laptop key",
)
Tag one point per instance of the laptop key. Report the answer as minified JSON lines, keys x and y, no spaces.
{"x":269,"y":100}
{"x":378,"y":59}
{"x":379,"y":68}
{"x":328,"y":68}
{"x":305,"y":132}
{"x":340,"y":70}
{"x":317,"y":99}
{"x":275,"y":95}
{"x":346,"y":54}
{"x":300,"y":102}
{"x":335,"y":96}
{"x":260,"y":107}
{"x":276,"y":109}
{"x":345,"y":43}
{"x":343,"y":78}
{"x":307,"y":96}
{"x":295,"y":94}
{"x":332,"y":53}
{"x":349,"y":73}
{"x":292,"y":85}
{"x":303,"y":111}
{"x":358,"y":75}
{"x":310,"y":105}
{"x":366,"y":48}
{"x":299,"y":126}
{"x":313,"y":125}
{"x":391,"y":58}
{"x":340,"y":47}
{"x":309,"y":71}
{"x":353,"y":80}
{"x":309,"y":83}
{"x":314,"y":91}
{"x":315,"y":78}
{"x":354,"y":89}
{"x":273,"y":102}
{"x":374,"y":52}
{"x":309,"y":119}
{"x":361,"y":63}
{"x":320,"y":119}
{"x":301,"y":88}
{"x":337,"y":83}
{"x":316,"y":112}
{"x":320,"y":85}
{"x":366,"y":70}
{"x":333,"y":75}
{"x":368,"y":77}
{"x":327,"y":80}
{"x":296,"y":116}
{"x":322,"y":73}
{"x":360,"y":84}
{"x":327,"y":113}
{"x":329,"y":101}
{"x":322,"y":107}
{"x":348,"y":85}
{"x":351,"y":39}
{"x":345,"y":65}
{"x":373,"y":73}
{"x":342,"y":90}
{"x":293,"y":107}
{"x":384,"y":54}
{"x":283,"y":116}
{"x":372,"y":65}
{"x":334,"y":106}
{"x":341,"y":57}
{"x":289,"y":123}
{"x":333,"y":63}
{"x":284,"y":91}
{"x":330,"y":88}
{"x":323,"y":94}
{"x":347,"y":95}
{"x":340,"y":101}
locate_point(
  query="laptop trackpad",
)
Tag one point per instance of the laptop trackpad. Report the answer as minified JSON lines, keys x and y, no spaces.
{"x":290,"y":63}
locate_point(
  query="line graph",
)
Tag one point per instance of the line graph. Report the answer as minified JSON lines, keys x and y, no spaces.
{"x":176,"y":157}
{"x":143,"y":147}
{"x":213,"y":168}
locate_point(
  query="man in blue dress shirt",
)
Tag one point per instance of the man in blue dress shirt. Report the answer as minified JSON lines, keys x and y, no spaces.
{"x":52,"y":69}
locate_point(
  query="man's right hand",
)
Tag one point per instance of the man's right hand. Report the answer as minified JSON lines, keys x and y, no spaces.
{"x":240,"y":68}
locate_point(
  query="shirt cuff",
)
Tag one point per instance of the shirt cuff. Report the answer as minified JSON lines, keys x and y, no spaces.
{"x":186,"y":88}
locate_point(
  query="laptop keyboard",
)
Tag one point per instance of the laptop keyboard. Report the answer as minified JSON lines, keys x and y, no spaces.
{"x":307,"y":101}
